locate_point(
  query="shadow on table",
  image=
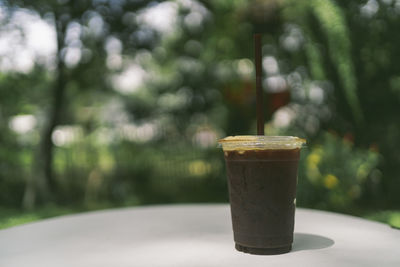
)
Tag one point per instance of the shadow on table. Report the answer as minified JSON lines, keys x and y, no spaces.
{"x":304,"y":241}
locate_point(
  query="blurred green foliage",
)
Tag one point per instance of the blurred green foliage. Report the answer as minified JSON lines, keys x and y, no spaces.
{"x":390,"y":217}
{"x":337,"y":174}
{"x":140,"y":107}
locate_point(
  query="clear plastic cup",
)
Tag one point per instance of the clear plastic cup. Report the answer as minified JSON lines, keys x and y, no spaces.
{"x":262,"y":179}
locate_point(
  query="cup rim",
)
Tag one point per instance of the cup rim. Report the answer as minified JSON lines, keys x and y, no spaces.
{"x":246,"y":142}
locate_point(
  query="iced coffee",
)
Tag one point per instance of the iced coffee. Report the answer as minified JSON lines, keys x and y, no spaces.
{"x":262,"y":178}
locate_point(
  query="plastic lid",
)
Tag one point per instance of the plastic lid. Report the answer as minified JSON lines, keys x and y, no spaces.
{"x":260,"y":142}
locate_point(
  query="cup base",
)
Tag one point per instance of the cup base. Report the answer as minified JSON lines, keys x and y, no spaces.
{"x":263,"y":251}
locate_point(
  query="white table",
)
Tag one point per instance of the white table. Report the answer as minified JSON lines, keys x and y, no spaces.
{"x":191,"y":235}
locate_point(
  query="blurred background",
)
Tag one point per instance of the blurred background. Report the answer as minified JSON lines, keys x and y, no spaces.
{"x":111,"y":103}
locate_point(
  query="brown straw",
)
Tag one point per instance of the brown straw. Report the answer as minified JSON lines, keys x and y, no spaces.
{"x":259,"y":93}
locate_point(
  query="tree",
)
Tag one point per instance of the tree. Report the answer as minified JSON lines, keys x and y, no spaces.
{"x":100,"y":20}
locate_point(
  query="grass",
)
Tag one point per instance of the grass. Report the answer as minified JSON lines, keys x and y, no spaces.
{"x":390,"y":217}
{"x":13,"y":217}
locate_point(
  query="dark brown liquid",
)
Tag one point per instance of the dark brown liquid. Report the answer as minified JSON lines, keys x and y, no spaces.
{"x":262,"y":190}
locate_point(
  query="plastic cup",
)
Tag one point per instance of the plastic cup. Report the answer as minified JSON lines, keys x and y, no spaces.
{"x":262,"y":179}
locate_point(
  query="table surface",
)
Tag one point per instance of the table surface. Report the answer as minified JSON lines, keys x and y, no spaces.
{"x":191,"y":235}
